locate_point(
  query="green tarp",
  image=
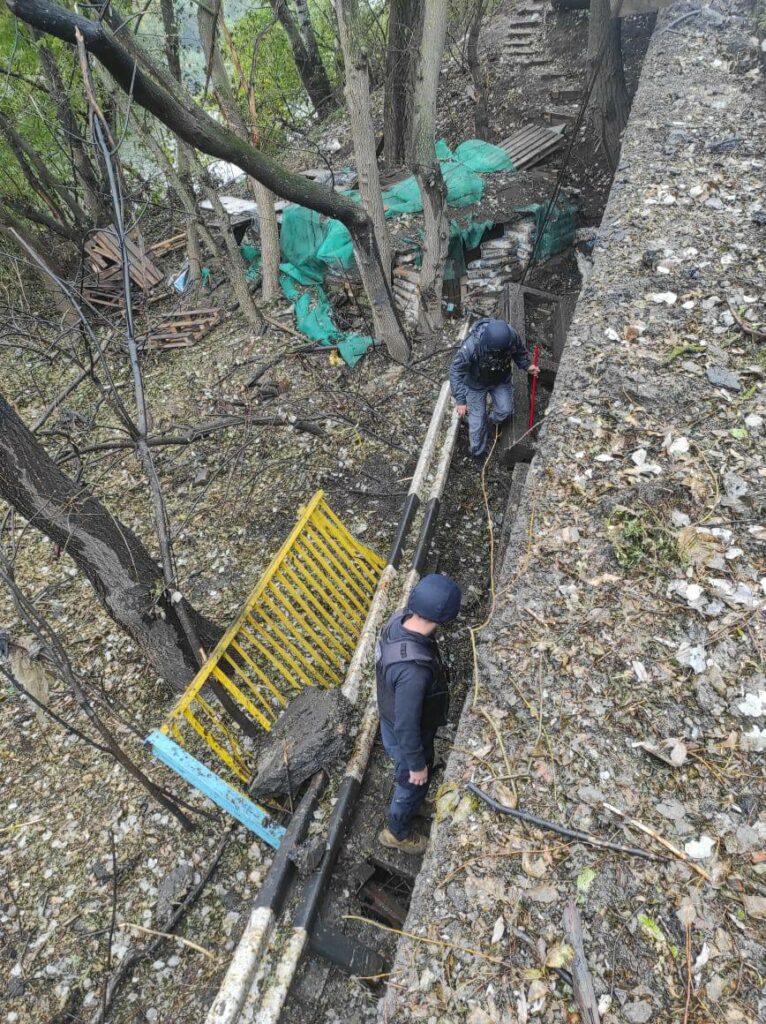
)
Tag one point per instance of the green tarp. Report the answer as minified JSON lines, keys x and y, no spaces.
{"x":313,"y":245}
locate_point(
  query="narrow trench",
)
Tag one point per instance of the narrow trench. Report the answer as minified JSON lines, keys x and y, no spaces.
{"x":371,"y":882}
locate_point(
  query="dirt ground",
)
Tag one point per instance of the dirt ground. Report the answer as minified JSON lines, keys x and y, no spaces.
{"x":67,"y":917}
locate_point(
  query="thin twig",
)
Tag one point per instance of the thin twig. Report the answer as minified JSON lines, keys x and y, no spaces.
{"x":755,"y":330}
{"x":659,"y":839}
{"x":169,"y":935}
{"x":688,"y":972}
{"x":112,"y":921}
{"x":431,"y":942}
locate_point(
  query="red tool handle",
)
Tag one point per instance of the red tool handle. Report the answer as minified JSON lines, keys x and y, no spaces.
{"x":535,"y":360}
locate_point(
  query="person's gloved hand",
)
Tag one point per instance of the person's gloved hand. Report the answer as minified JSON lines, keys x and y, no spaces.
{"x":533,"y":371}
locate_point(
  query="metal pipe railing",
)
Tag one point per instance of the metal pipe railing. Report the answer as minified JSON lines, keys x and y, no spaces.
{"x":236,"y":993}
{"x":269,"y":1006}
{"x":266,"y":909}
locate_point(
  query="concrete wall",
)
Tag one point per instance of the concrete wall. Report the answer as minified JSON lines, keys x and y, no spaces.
{"x":598,"y":641}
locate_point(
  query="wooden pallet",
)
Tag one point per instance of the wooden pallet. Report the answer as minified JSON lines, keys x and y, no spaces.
{"x":105,"y":254}
{"x":183,"y":329}
{"x":533,"y":144}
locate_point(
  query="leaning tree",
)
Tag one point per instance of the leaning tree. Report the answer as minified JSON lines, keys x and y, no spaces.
{"x":162,"y":98}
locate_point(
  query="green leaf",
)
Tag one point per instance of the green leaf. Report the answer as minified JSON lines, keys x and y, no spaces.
{"x":739,"y":432}
{"x":585,"y":879}
{"x":651,"y":929}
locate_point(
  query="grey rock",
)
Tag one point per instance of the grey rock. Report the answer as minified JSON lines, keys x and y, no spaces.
{"x":671,"y":809}
{"x":313,"y":733}
{"x":102,"y":870}
{"x":638,"y":1012}
{"x":16,"y":988}
{"x":722,"y":378}
{"x":171,"y":890}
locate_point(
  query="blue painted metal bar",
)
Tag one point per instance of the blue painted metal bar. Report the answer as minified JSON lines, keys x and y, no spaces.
{"x":196,"y":774}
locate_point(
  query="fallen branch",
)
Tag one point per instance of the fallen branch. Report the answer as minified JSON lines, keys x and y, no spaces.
{"x":756,"y":331}
{"x":561,"y":830}
{"x":305,"y":349}
{"x":560,"y":972}
{"x":196,"y":433}
{"x":659,"y":839}
{"x":585,"y":993}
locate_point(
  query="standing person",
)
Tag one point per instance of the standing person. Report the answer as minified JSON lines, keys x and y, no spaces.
{"x":483,"y":366}
{"x":413,"y":700}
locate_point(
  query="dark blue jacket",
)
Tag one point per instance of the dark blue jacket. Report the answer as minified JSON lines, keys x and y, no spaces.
{"x":474,"y":367}
{"x":413,"y":694}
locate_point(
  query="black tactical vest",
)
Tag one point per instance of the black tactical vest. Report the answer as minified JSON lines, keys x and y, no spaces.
{"x":395,"y":652}
{"x":493,"y":366}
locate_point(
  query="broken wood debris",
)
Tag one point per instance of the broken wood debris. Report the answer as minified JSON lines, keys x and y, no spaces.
{"x":582,"y":980}
{"x":182,"y":329}
{"x":168,"y":245}
{"x":105,"y":254}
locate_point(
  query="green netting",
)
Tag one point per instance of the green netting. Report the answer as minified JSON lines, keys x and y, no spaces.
{"x":313,"y":245}
{"x":313,"y":317}
{"x":251,"y":254}
{"x":559,"y":231}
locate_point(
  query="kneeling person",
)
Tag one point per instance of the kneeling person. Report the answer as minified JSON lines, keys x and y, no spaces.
{"x":413,"y":700}
{"x":482,"y":366}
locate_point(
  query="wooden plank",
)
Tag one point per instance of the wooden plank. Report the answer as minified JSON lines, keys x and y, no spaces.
{"x":540,"y":155}
{"x":168,"y":245}
{"x":521,"y":135}
{"x":214,"y":788}
{"x":547,"y":137}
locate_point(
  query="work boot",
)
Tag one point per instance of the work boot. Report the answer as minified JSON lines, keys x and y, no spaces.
{"x":414,"y":843}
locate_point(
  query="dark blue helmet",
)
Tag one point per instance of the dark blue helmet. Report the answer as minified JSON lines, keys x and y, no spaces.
{"x":436,"y":598}
{"x":496,"y":335}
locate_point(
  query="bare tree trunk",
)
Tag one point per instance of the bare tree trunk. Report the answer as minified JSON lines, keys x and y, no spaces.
{"x":480,"y":117}
{"x":426,"y":166}
{"x":404,"y":26}
{"x":123,"y":574}
{"x":307,"y":60}
{"x":72,"y":137}
{"x":362,"y":128}
{"x":173,"y":56}
{"x":264,"y":198}
{"x":236,"y":265}
{"x":269,"y":232}
{"x":12,"y":229}
{"x":609,"y":103}
{"x":193,"y":248}
{"x":31,"y":213}
{"x":156,"y":91}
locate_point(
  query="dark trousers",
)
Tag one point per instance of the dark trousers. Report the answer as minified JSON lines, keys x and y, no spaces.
{"x":407,"y":797}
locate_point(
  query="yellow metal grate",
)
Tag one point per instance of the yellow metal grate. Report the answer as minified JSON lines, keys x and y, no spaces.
{"x":298,"y":628}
